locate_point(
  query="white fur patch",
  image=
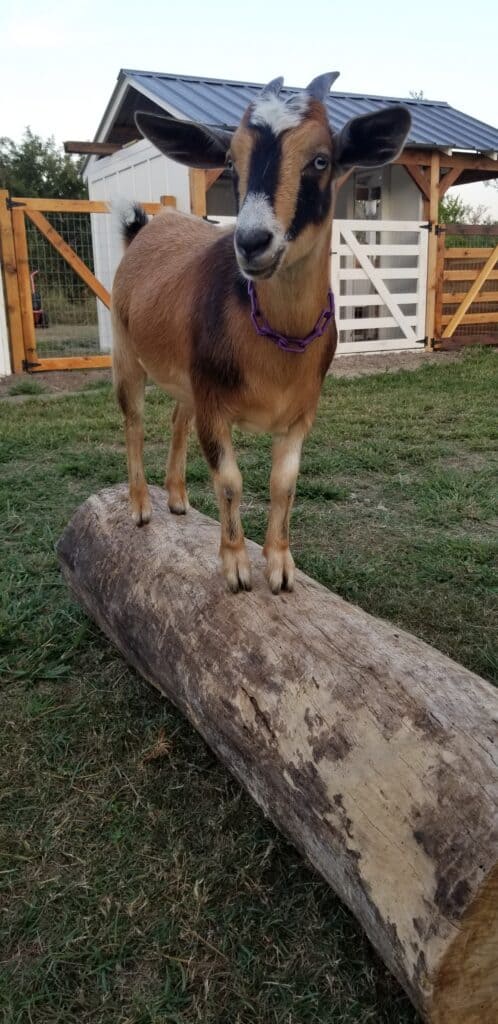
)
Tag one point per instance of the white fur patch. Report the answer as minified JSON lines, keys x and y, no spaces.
{"x":279,"y":113}
{"x":257,"y":212}
{"x":122,"y":211}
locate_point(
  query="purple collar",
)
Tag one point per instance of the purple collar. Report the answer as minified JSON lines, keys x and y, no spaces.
{"x":288,"y":344}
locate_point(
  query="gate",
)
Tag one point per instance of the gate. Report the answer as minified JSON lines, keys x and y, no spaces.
{"x":467,"y":286}
{"x":379,"y":279}
{"x":52,"y":291}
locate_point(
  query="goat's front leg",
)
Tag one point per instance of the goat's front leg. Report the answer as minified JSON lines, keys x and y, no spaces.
{"x":286,"y":456}
{"x":215,"y":437}
{"x":177,"y":459}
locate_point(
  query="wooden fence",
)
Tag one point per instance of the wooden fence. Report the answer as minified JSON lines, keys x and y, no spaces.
{"x":56,"y":233}
{"x":467,"y":286}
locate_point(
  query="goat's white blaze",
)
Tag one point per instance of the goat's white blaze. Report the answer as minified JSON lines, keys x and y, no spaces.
{"x":278,"y":113}
{"x":257,"y":212}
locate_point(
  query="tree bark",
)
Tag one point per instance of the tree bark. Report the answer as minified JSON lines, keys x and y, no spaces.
{"x":374,"y":753}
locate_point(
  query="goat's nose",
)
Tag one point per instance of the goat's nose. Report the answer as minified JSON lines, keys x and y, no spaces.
{"x":253,"y":243}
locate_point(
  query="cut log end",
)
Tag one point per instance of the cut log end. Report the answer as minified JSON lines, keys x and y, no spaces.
{"x":466,"y":987}
{"x":373,"y":752}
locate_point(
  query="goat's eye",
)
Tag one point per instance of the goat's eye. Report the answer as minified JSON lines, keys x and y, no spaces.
{"x":229,"y":164}
{"x":320,"y":163}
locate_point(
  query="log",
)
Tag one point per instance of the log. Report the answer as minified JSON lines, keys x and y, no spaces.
{"x":374,"y":753}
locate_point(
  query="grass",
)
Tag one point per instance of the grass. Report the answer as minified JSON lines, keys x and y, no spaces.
{"x":26,"y":386}
{"x":140,"y":884}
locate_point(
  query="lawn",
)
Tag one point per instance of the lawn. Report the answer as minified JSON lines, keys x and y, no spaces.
{"x":140,"y":885}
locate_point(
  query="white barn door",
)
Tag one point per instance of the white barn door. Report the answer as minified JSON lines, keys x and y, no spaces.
{"x":379,"y":280}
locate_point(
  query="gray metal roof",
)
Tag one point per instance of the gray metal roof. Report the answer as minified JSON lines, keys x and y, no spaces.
{"x":218,"y":102}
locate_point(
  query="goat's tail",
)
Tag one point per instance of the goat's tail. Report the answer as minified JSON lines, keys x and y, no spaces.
{"x":130,"y":218}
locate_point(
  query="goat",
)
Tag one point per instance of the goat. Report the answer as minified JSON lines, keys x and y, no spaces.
{"x":238,"y":326}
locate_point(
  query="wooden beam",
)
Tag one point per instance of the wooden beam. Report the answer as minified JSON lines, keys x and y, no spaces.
{"x":432,"y":248}
{"x":12,"y":299}
{"x":69,"y":255}
{"x":212,"y":176}
{"x":24,"y":284}
{"x":94,"y":148}
{"x":422,"y":158}
{"x":74,"y":205}
{"x":73,"y":363}
{"x":469,"y":318}
{"x":454,"y":252}
{"x":449,"y":297}
{"x":420,"y":178}
{"x":168,"y":201}
{"x":438,"y":307}
{"x":197,"y":192}
{"x":448,"y":180}
{"x":473,"y":291}
{"x":373,"y":752}
{"x":467,"y":275}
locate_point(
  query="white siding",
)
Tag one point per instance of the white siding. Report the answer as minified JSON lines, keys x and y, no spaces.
{"x":135,"y":172}
{"x":5,"y":367}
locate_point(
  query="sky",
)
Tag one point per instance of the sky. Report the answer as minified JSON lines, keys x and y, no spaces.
{"x":59,"y":61}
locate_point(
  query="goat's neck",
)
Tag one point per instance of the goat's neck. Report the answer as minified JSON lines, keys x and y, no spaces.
{"x":292,"y":301}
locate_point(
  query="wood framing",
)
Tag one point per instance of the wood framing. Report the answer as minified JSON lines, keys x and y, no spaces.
{"x":69,"y":256}
{"x":24,"y":285}
{"x":12,"y":299}
{"x":16,"y":267}
{"x":432,"y":249}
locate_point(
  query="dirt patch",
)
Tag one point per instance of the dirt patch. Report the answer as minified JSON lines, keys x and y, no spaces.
{"x":64,"y":381}
{"x":389,"y":362}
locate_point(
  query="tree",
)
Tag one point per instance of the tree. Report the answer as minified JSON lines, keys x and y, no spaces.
{"x":453,"y":210}
{"x":37,"y":167}
{"x":417,"y":94}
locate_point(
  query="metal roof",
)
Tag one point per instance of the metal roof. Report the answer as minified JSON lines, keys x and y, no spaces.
{"x":218,"y":102}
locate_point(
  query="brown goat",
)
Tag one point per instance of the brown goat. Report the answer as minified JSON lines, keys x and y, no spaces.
{"x":183,"y":312}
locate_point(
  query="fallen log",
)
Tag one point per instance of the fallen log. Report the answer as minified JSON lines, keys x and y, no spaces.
{"x":374,"y":753}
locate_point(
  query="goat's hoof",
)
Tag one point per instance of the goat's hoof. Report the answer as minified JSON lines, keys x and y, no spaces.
{"x":280,"y":569}
{"x":236,"y":569}
{"x":141,"y":509}
{"x":178,"y":502}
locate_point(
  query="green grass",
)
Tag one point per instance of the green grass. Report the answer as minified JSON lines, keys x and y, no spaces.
{"x":151,"y":890}
{"x":26,"y":386}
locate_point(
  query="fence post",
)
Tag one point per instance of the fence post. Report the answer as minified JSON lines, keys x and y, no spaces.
{"x":168,"y":201}
{"x":432,"y":249}
{"x":198,"y":192}
{"x":9,"y":266}
{"x":24,"y":285}
{"x":438,"y":308}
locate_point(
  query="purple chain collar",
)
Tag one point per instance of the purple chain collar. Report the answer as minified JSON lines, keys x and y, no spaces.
{"x":288,"y":344}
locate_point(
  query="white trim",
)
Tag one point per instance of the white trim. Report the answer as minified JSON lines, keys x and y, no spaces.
{"x":5,"y":365}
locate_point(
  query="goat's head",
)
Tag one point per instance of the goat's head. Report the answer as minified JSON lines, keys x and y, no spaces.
{"x":284,"y":158}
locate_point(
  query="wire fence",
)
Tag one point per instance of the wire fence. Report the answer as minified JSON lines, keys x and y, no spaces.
{"x":64,"y":308}
{"x":471,"y":237}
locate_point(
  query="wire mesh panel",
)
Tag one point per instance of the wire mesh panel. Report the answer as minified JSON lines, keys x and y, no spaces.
{"x":465,"y":256}
{"x":64,"y":308}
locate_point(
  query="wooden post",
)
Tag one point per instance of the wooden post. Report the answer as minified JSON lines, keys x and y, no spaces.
{"x":433,"y":204}
{"x":198,"y":192}
{"x":373,"y":752}
{"x":24,"y":283}
{"x":168,"y":201}
{"x":438,"y":308}
{"x":13,"y":303}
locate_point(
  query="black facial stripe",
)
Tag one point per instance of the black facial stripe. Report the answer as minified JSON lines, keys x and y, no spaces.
{"x":313,"y":204}
{"x":264,"y":167}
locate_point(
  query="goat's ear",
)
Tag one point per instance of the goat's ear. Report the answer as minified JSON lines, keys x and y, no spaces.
{"x":371,"y":140}
{"x":196,"y":145}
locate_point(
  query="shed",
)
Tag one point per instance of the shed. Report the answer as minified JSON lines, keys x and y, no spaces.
{"x":446,"y":147}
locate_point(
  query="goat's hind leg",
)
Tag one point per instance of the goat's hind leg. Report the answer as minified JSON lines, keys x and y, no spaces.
{"x":129,"y":383}
{"x":177,"y":460}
